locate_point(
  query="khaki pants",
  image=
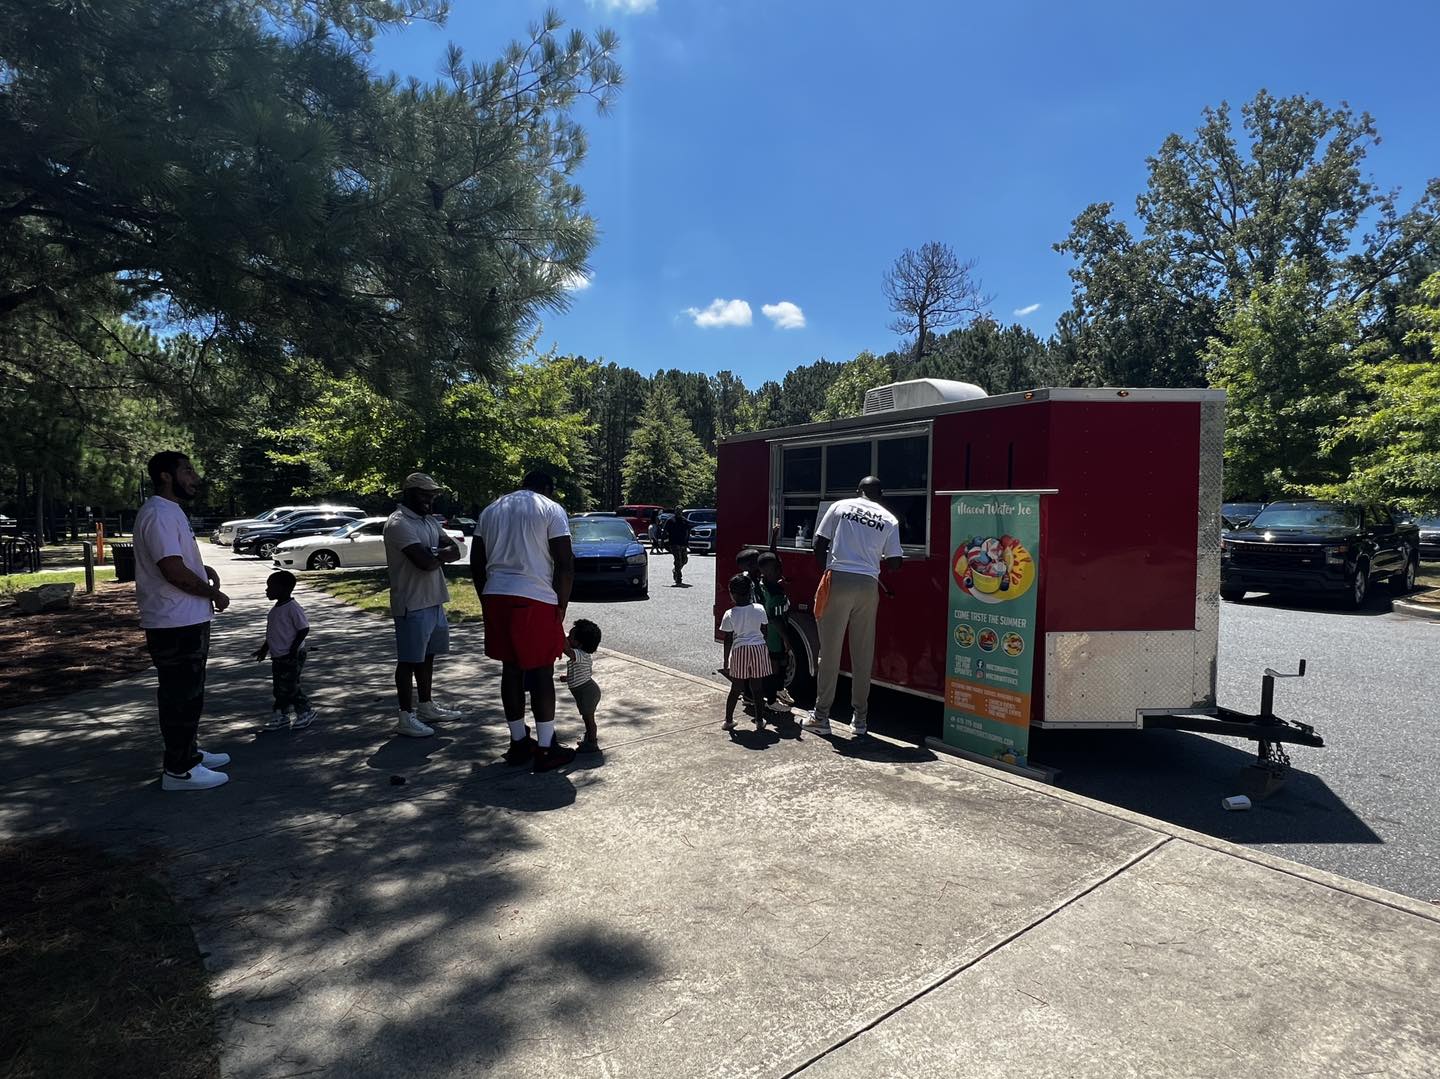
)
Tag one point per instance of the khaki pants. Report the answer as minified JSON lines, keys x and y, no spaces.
{"x":854,"y":599}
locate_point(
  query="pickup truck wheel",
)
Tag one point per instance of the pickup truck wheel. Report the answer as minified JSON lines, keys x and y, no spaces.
{"x":802,"y":679}
{"x":1404,"y":583}
{"x":1232,"y":595}
{"x":1359,"y":586}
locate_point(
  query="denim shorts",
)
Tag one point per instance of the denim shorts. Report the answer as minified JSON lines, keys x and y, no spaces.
{"x":421,"y":633}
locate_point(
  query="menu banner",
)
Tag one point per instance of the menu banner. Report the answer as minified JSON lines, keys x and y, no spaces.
{"x":990,"y":658}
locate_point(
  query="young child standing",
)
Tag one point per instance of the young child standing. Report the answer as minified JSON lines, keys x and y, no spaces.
{"x":777,"y":607}
{"x":580,"y":646}
{"x":286,"y":628}
{"x":747,"y":659}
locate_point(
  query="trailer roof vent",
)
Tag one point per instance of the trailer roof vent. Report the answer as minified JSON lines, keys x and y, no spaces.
{"x":919,"y":393}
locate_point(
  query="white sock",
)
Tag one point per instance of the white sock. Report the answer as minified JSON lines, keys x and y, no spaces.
{"x":517,"y":729}
{"x":545,"y":733}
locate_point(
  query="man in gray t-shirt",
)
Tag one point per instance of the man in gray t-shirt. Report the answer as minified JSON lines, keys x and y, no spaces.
{"x":416,"y":551}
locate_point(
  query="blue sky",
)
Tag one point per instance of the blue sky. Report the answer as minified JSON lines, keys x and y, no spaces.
{"x":783,"y":152}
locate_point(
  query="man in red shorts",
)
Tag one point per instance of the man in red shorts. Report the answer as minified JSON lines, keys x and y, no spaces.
{"x":524,"y":569}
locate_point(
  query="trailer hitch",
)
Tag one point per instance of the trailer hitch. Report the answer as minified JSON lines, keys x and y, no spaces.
{"x":1272,"y":763}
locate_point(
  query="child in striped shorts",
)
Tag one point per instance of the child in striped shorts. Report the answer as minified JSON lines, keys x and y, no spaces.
{"x":747,"y":659}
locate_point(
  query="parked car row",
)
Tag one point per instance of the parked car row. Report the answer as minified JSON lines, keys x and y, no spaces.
{"x":355,"y":544}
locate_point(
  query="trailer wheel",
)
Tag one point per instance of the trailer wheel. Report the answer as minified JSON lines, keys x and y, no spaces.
{"x":801,"y":681}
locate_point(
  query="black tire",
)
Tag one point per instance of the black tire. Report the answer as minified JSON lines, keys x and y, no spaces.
{"x":323,"y":560}
{"x":802,"y":679}
{"x":1359,"y":587}
{"x":265,"y":550}
{"x":1403,"y":583}
{"x":1232,"y":595}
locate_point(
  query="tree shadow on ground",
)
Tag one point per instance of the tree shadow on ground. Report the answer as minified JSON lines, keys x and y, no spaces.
{"x":334,"y":906}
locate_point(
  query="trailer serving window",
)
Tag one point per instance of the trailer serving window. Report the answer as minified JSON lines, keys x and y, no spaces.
{"x":809,"y":474}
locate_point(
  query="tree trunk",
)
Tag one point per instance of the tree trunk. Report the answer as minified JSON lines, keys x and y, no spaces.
{"x":40,"y":508}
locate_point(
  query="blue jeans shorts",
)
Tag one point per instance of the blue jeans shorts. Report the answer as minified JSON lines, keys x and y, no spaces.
{"x":421,"y":633}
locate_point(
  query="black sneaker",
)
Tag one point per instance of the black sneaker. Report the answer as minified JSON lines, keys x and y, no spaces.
{"x":555,"y":756}
{"x":521,"y":751}
{"x":588,"y":745}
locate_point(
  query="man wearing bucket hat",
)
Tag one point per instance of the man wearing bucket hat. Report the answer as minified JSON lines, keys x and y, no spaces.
{"x":416,"y":551}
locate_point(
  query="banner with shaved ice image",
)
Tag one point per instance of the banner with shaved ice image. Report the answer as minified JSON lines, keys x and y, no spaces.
{"x":994,"y":568}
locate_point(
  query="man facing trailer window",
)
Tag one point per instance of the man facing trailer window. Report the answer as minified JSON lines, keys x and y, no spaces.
{"x":854,"y":541}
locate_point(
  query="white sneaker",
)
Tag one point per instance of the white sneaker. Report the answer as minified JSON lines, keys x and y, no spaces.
{"x":812,"y":722}
{"x":212,"y":760}
{"x":278,"y":721}
{"x":303,"y":720}
{"x":198,"y":778}
{"x":411,"y":727}
{"x":431,"y":710}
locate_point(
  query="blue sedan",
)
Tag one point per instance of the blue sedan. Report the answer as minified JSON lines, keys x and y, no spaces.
{"x":607,"y":554}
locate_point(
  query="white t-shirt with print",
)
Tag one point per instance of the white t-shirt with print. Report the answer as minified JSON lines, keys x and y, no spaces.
{"x":747,"y":623}
{"x":861,"y":533}
{"x":517,"y":529}
{"x":282,"y":625}
{"x":162,"y":530}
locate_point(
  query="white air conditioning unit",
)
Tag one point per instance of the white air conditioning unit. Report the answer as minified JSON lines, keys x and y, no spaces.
{"x":919,"y":393}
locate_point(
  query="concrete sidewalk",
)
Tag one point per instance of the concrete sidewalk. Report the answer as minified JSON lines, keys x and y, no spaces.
{"x":693,"y":905}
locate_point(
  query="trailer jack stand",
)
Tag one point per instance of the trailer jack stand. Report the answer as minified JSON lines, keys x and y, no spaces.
{"x":1272,"y":763}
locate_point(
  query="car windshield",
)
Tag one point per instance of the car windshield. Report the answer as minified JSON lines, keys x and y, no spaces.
{"x":1240,"y":509}
{"x":1306,"y":515}
{"x":701,"y":517}
{"x":599,"y":530}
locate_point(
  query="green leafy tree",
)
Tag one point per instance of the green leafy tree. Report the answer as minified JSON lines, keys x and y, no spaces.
{"x":614,"y":403}
{"x":666,"y":465}
{"x":1281,"y":357}
{"x":1218,"y":221}
{"x":238,"y":166}
{"x":998,"y":359}
{"x":846,"y":395}
{"x":802,"y":394}
{"x":478,"y":442}
{"x":1395,"y":439}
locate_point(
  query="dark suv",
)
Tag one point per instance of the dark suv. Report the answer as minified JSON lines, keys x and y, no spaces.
{"x":1332,"y":547}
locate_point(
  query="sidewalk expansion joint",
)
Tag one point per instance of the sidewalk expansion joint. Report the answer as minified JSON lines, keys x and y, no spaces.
{"x":1125,"y":867}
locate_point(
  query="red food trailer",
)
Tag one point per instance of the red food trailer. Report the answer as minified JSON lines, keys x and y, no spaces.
{"x":1128,"y":604}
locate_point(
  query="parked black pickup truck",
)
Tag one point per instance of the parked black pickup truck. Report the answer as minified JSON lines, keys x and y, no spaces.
{"x":1334,"y":547}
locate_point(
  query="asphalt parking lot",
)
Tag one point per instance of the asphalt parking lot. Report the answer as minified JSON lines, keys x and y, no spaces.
{"x":1363,"y":806}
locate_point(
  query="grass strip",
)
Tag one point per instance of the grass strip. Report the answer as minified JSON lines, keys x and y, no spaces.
{"x":99,"y":971}
{"x":18,"y":582}
{"x":369,"y":589}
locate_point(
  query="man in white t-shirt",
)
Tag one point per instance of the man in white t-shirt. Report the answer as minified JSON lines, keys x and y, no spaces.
{"x":859,"y":537}
{"x":524,"y":568}
{"x":177,"y":601}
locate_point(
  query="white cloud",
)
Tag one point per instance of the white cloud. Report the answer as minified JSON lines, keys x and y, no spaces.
{"x":1028,"y":309}
{"x":576,"y":282}
{"x":721,"y":313}
{"x":629,"y":7}
{"x":785,"y":315}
